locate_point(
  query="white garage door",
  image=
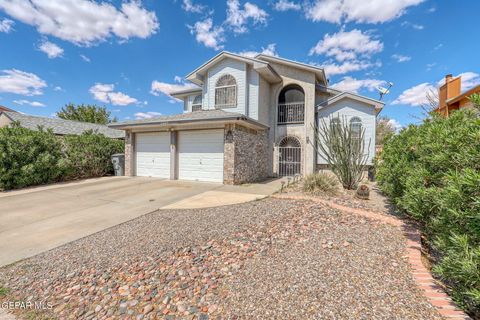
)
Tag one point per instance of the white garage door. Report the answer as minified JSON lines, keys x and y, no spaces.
{"x":153,"y":154}
{"x":200,"y":155}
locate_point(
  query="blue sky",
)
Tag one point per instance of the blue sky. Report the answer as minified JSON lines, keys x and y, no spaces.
{"x":129,"y":55}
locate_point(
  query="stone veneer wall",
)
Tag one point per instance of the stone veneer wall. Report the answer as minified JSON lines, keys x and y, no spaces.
{"x":129,"y":156}
{"x":245,"y":155}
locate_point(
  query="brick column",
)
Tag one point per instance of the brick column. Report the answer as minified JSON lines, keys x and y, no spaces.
{"x":129,"y":153}
{"x":229,"y":155}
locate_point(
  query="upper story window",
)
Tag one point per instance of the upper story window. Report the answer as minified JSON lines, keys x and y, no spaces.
{"x":197,"y":103}
{"x":356,"y":127}
{"x":291,"y":105}
{"x":226,"y":92}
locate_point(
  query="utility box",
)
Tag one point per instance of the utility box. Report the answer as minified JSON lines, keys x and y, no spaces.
{"x":118,"y":161}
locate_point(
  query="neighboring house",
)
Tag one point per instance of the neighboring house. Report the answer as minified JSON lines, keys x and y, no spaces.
{"x":450,"y":97}
{"x":3,"y":108}
{"x":249,"y":119}
{"x":59,"y":127}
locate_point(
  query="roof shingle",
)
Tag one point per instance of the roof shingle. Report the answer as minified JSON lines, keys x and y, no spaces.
{"x":62,"y":126}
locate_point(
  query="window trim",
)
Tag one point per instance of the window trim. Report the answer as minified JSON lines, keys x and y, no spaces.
{"x":356,"y":121}
{"x":225,"y":87}
{"x":197,"y":104}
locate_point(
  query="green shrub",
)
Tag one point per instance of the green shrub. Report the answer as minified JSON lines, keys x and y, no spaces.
{"x":89,"y":155}
{"x":321,"y":182}
{"x":432,"y":172}
{"x":28,"y":157}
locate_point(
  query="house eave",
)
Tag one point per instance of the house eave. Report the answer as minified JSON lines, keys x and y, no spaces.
{"x":319,"y":72}
{"x":377,"y":104}
{"x":198,"y":75}
{"x":192,"y":124}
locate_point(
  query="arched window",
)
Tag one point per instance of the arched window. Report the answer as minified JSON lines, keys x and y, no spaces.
{"x":291,"y":105}
{"x":226,"y":92}
{"x":197,"y":103}
{"x":356,"y":127}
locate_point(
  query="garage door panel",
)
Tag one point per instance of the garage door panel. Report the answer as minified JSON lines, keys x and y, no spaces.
{"x":153,"y":154}
{"x":201,"y":155}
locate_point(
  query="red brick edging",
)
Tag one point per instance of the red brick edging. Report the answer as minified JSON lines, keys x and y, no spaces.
{"x":434,"y":293}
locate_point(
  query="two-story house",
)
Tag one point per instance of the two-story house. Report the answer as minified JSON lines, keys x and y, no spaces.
{"x":249,"y":119}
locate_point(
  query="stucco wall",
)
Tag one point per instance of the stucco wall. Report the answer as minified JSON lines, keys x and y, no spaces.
{"x":347,"y":109}
{"x":304,"y":132}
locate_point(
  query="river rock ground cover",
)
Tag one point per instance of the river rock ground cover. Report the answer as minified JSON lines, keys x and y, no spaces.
{"x":273,"y":258}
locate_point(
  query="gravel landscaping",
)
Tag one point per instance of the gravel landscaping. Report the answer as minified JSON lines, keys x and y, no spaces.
{"x":273,"y":258}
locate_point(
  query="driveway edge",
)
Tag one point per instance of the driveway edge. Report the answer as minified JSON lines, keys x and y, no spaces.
{"x":424,"y":280}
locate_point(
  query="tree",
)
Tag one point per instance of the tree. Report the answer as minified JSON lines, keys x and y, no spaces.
{"x":86,"y":113}
{"x":475,"y":99}
{"x":385,"y":129}
{"x":343,"y":147}
{"x":432,"y":102}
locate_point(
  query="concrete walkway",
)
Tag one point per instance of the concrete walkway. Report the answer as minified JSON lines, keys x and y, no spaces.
{"x":38,"y":219}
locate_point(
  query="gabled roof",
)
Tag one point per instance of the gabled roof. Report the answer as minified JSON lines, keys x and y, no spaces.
{"x":319,"y":72}
{"x":377,"y":104}
{"x":62,"y":126}
{"x":3,"y":108}
{"x":184,"y":93}
{"x":189,"y":118}
{"x":197,"y":76}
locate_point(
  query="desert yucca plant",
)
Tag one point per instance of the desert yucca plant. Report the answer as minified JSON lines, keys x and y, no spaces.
{"x":343,"y":148}
{"x":320,"y":182}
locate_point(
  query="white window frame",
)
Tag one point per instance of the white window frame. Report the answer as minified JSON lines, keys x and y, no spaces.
{"x":356,"y":121}
{"x":225,"y":91}
{"x":195,"y":106}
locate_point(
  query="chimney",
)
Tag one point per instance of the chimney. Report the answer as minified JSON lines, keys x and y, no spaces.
{"x":450,"y":89}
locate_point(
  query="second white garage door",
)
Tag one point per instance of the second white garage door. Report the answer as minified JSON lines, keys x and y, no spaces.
{"x":200,"y":155}
{"x":153,"y":154}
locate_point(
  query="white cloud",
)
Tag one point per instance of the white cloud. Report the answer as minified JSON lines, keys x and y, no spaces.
{"x":84,"y":22}
{"x":332,"y":68}
{"x":350,"y":84}
{"x":207,"y":34}
{"x":469,"y":80}
{"x":51,"y":49}
{"x":20,"y":82}
{"x":238,"y":18}
{"x":415,"y":96}
{"x":285,"y":5}
{"x":104,"y":93}
{"x":395,"y":124}
{"x":413,"y":25}
{"x":189,"y":6}
{"x":6,"y":25}
{"x":85,"y":58}
{"x":347,"y":45}
{"x":269,"y":50}
{"x":373,"y":11}
{"x":437,"y":47}
{"x":168,"y":88}
{"x":57,"y":88}
{"x":401,"y":58}
{"x":31,"y":103}
{"x":147,"y":115}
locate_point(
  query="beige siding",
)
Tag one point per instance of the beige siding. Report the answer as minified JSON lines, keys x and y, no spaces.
{"x":4,"y":121}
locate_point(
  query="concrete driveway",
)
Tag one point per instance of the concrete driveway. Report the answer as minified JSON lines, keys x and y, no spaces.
{"x":39,"y":219}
